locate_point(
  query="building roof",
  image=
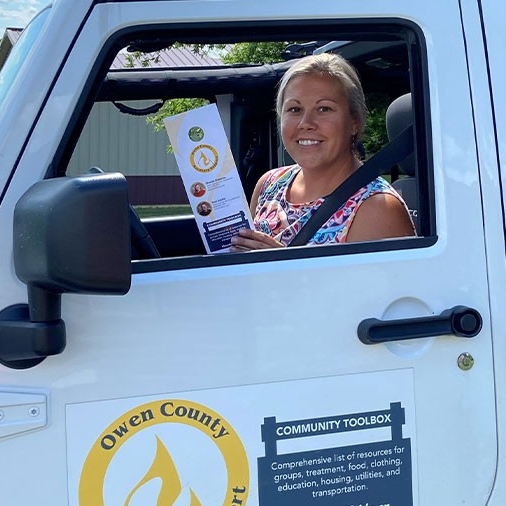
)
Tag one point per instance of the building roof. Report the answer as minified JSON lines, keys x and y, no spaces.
{"x":10,"y":37}
{"x":13,"y":34}
{"x":173,"y":57}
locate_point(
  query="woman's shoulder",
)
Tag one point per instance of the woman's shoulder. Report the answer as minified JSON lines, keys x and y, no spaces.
{"x":379,"y":213}
{"x":377,"y":187}
{"x":380,"y":183}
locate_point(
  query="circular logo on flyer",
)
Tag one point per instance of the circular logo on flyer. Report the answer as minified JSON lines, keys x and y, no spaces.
{"x":204,"y":158}
{"x":196,"y":134}
{"x":163,"y":468}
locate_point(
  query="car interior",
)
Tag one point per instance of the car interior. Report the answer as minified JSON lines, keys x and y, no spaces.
{"x":389,"y":58}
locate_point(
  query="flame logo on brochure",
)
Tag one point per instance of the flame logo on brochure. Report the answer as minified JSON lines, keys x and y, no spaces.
{"x":204,"y":158}
{"x":163,"y":467}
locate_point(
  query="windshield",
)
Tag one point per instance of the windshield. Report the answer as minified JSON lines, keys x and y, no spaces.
{"x":19,"y":53}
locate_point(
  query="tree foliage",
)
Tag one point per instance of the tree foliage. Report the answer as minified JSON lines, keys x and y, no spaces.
{"x":255,"y":52}
{"x":172,"y":107}
{"x":375,"y":135}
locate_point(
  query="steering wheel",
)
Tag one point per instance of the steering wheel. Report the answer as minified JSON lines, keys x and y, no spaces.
{"x":143,"y":246}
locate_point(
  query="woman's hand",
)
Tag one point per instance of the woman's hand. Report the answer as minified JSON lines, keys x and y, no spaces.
{"x":247,"y":240}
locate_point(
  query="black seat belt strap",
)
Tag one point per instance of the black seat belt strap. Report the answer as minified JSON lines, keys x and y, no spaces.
{"x":389,"y":155}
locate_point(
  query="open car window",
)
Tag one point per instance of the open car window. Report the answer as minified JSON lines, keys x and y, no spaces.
{"x":149,"y":75}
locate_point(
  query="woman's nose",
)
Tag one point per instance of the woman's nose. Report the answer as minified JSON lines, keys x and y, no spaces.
{"x":307,"y":120}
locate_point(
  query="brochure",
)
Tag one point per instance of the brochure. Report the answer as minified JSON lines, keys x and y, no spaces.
{"x":209,"y":175}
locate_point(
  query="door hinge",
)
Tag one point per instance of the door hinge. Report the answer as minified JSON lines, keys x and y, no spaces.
{"x":21,"y":412}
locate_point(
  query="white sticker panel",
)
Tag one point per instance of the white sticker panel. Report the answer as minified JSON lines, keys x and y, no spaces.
{"x":344,"y":440}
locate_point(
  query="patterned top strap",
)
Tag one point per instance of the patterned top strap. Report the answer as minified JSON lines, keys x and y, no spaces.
{"x":281,"y":219}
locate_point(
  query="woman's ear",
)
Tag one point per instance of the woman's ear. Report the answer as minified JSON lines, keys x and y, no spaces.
{"x":354,"y":128}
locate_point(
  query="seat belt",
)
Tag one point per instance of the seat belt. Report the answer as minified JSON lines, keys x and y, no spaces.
{"x":389,"y":155}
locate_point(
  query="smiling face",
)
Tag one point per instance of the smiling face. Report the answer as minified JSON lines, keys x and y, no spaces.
{"x":316,"y":124}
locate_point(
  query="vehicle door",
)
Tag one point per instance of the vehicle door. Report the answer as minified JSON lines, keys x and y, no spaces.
{"x":490,"y":105}
{"x":241,"y":379}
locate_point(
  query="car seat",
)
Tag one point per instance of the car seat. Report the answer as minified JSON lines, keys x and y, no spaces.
{"x":399,"y":116}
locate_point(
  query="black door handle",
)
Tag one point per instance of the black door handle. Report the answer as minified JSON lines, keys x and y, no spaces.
{"x":460,"y":321}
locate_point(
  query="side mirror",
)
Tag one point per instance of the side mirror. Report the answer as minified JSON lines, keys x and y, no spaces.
{"x":71,"y":235}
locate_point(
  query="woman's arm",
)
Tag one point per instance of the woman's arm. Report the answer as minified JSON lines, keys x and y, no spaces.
{"x":247,"y":239}
{"x":381,"y":216}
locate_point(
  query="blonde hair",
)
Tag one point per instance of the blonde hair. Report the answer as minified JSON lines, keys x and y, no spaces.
{"x":337,"y":67}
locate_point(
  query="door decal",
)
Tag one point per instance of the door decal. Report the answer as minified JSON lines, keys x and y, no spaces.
{"x":163,"y":467}
{"x":343,"y":441}
{"x":370,"y":473}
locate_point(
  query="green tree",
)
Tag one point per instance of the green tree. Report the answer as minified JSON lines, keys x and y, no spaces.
{"x":255,"y":52}
{"x":137,"y":58}
{"x":375,"y":135}
{"x":172,"y":107}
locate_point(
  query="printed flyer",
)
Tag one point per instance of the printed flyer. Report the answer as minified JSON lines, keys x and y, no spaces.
{"x":315,"y":442}
{"x":210,"y":176}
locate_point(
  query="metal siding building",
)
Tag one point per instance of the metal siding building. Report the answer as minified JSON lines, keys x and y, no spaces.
{"x":121,"y":142}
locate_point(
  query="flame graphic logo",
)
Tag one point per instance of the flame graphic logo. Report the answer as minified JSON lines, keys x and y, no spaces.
{"x":204,"y":158}
{"x":185,"y":412}
{"x":163,"y":467}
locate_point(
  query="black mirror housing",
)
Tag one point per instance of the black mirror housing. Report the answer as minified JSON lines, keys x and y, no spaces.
{"x":72,"y":234}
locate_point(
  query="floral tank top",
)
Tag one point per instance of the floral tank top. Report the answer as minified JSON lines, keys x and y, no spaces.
{"x":279,"y":218}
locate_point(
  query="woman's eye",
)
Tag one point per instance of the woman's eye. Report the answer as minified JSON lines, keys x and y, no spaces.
{"x":324,"y":108}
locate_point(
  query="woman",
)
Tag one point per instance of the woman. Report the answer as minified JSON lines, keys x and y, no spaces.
{"x":322,"y":113}
{"x":198,"y":189}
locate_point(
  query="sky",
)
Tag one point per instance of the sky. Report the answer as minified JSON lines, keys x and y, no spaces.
{"x":17,"y":13}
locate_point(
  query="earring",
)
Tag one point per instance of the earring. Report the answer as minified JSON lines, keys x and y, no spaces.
{"x":354,"y":138}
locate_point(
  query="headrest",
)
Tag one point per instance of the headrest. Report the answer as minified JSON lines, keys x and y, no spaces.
{"x":399,"y":116}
